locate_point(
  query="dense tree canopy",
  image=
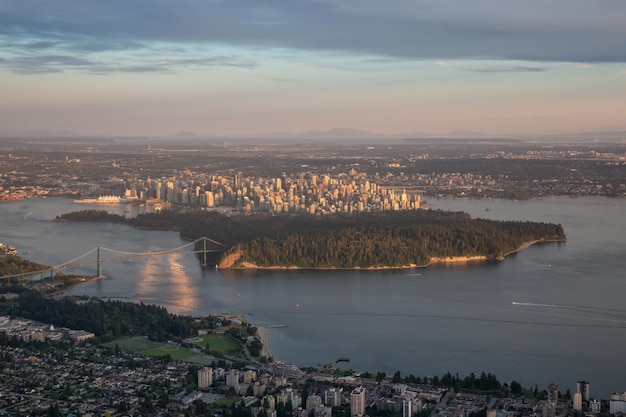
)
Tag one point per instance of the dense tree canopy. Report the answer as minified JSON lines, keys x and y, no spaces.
{"x":107,"y":319}
{"x":92,"y":215}
{"x":14,"y":265}
{"x":364,"y":240}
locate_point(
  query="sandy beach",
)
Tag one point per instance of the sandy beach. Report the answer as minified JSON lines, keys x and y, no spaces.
{"x":264,"y":334}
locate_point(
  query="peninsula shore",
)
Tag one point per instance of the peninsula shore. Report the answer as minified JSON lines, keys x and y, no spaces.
{"x":263,"y":332}
{"x":433,"y":261}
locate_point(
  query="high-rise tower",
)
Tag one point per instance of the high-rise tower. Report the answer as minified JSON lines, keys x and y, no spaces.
{"x":357,"y":402}
{"x":584,"y":388}
{"x":238,"y":180}
{"x":205,"y":378}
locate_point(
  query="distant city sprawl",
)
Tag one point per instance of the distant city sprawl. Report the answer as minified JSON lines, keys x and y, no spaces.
{"x":317,"y":179}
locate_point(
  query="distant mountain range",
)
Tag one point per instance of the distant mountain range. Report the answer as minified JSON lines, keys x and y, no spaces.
{"x":38,"y":133}
{"x":346,"y":134}
{"x":186,"y":135}
{"x":337,"y":133}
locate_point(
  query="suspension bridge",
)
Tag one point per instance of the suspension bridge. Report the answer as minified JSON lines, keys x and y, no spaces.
{"x":118,"y":256}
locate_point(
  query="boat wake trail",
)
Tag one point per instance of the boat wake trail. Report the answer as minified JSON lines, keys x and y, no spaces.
{"x":593,"y":323}
{"x":537,"y":305}
{"x":586,"y":317}
{"x":607,"y":314}
{"x":572,"y":307}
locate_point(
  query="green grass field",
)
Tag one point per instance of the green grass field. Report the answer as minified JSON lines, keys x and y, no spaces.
{"x":175,"y":354}
{"x":222,"y":344}
{"x":135,"y":344}
{"x":226,"y":401}
{"x":150,"y":348}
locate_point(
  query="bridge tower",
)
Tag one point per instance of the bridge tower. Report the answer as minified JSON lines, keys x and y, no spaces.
{"x":204,"y":251}
{"x":98,"y":264}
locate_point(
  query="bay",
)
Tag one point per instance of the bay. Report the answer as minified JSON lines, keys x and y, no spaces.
{"x":551,"y":313}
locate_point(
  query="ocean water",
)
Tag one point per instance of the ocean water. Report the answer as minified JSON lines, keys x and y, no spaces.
{"x":551,"y":313}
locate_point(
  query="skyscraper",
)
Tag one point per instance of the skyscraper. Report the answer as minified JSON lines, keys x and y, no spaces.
{"x":357,"y":402}
{"x":238,"y":178}
{"x":584,"y":388}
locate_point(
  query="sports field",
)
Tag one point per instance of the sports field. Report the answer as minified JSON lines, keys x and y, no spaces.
{"x":219,"y":344}
{"x":135,"y":344}
{"x":175,"y":352}
{"x":149,"y":348}
{"x":222,"y":344}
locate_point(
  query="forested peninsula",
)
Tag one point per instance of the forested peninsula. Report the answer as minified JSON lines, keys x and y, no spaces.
{"x":361,"y":240}
{"x":16,"y":265}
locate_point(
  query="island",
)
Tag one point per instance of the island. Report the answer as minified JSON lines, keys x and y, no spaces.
{"x":374,"y":240}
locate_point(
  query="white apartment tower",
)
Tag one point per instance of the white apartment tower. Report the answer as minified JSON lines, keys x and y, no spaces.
{"x":618,"y":403}
{"x":407,"y":410}
{"x":578,"y":402}
{"x":232,"y":378}
{"x":357,"y":402}
{"x":205,"y":378}
{"x":332,"y":396}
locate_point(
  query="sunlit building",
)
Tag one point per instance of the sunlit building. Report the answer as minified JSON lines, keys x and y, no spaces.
{"x":205,"y":378}
{"x":357,"y":402}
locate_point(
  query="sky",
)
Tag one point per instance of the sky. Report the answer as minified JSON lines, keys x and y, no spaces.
{"x":250,"y":67}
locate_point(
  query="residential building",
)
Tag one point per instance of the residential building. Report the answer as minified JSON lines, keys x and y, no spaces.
{"x":357,"y":402}
{"x":205,"y":378}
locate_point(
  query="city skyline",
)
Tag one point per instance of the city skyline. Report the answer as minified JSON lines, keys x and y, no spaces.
{"x":258,"y":67}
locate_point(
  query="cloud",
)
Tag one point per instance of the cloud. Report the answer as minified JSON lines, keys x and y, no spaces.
{"x":151,"y":63}
{"x":507,"y":68}
{"x":39,"y":45}
{"x":285,"y":80}
{"x":46,"y":63}
{"x":533,"y":30}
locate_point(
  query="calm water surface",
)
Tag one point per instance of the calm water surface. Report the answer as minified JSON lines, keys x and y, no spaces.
{"x":552,"y":313}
